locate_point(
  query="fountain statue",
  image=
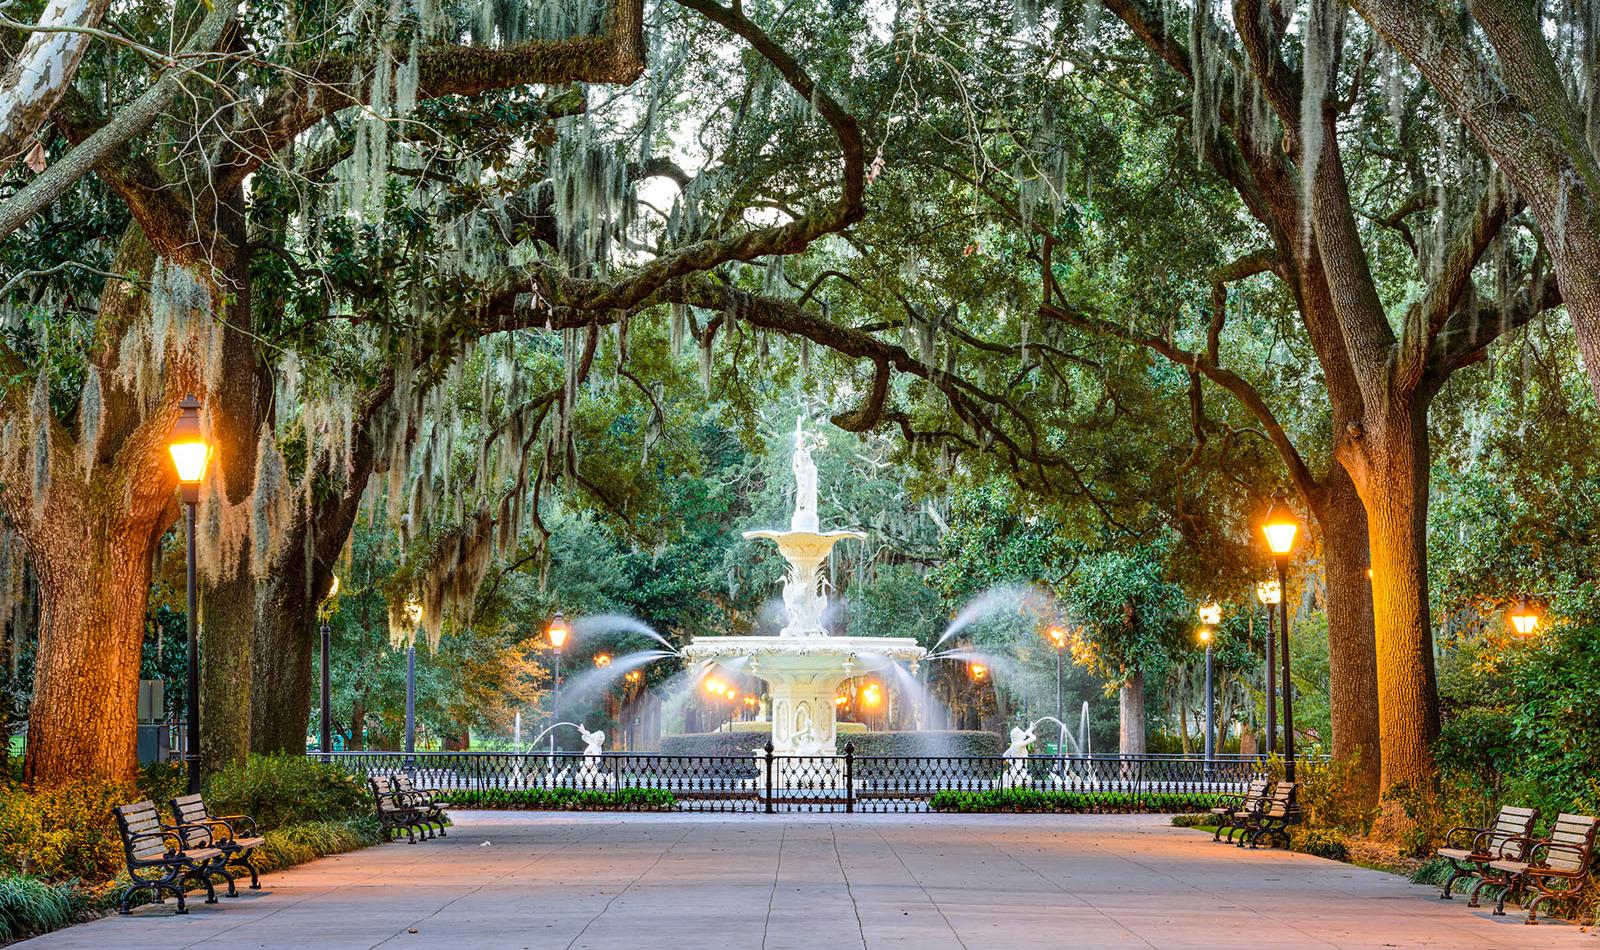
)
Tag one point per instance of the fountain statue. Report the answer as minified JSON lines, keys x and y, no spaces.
{"x":804,"y":664}
{"x":1016,"y":756}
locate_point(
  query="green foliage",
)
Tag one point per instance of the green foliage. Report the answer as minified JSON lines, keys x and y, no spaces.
{"x":953,"y":742}
{"x":278,"y":790}
{"x":30,"y":906}
{"x":64,"y":832}
{"x":1323,"y":843}
{"x":565,"y":799}
{"x":1199,"y":819}
{"x":1033,"y":800}
{"x":307,"y":840}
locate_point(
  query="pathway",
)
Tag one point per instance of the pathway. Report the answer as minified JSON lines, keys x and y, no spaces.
{"x":824,"y":882}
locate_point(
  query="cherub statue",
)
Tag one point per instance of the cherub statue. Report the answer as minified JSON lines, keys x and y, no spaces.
{"x":593,"y":742}
{"x":1016,"y":756}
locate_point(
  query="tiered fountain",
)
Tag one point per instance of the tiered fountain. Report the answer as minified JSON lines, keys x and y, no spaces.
{"x":804,"y":664}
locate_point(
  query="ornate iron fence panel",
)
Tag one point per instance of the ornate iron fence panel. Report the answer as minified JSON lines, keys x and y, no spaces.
{"x":629,"y":781}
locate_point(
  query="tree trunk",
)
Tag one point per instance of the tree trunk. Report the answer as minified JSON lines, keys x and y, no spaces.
{"x":1390,"y":469}
{"x":1352,"y":651}
{"x":1131,"y":740}
{"x":286,"y":637}
{"x":94,"y":580}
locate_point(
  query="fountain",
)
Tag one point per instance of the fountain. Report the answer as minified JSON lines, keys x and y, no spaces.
{"x":804,"y":664}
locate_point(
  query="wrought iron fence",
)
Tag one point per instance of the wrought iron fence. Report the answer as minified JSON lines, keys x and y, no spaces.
{"x":846,"y":782}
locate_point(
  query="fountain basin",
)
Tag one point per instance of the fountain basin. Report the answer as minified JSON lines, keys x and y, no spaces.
{"x":802,"y":675}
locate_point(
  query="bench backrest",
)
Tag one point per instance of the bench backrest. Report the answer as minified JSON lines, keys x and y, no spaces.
{"x":1575,"y":832}
{"x":1511,"y":823}
{"x":1256,"y":791}
{"x":191,"y":810}
{"x":403,"y":783}
{"x":383,"y":791}
{"x":1281,"y":803}
{"x":140,"y":827}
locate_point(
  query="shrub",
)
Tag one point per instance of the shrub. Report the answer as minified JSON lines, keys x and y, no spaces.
{"x":566,"y":799}
{"x":278,"y":790}
{"x":1198,"y":819}
{"x":308,"y":840}
{"x":737,"y":744}
{"x":64,"y":832}
{"x":1323,"y":843}
{"x":1036,"y":800}
{"x":30,"y":906}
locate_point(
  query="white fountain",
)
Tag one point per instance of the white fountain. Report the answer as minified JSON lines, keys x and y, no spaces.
{"x":804,"y":664}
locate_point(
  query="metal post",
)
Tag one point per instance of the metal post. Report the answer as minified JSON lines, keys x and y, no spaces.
{"x":1288,"y":690}
{"x":1061,"y":722}
{"x":849,"y":776}
{"x":411,"y":706}
{"x":1272,"y":682}
{"x":1211,"y":709}
{"x":555,"y":712}
{"x":191,"y":751}
{"x":325,"y":742}
{"x":767,"y":786}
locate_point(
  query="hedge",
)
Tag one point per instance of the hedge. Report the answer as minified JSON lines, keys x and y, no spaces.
{"x":1035,"y":800}
{"x":565,"y":799}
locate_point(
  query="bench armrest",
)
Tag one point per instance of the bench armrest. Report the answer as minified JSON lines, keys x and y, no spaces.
{"x":1538,"y":859}
{"x":1514,"y":847}
{"x":237,"y":823}
{"x":179,"y":830}
{"x":1464,"y":836}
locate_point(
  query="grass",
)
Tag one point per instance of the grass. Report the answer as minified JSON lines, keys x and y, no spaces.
{"x":31,"y":906}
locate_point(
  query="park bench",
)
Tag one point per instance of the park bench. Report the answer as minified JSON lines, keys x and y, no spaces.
{"x":234,"y":835}
{"x":1230,"y":803}
{"x":1469,"y":850}
{"x":164,"y":857}
{"x":424,"y":800}
{"x":394,"y":815}
{"x":1556,"y":867}
{"x":1271,"y":820}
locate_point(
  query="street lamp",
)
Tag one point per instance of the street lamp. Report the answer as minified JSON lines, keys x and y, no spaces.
{"x":1525,"y":618}
{"x":190,"y":453}
{"x":1280,"y":528}
{"x":602,"y":660}
{"x":558,"y":632}
{"x":1210,"y":616}
{"x":1269,"y":593}
{"x":325,"y":733}
{"x":414,"y":616}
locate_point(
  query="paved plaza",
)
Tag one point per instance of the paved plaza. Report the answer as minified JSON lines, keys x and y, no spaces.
{"x":923,"y":882}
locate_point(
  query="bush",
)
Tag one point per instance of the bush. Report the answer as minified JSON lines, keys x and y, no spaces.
{"x":566,"y":799}
{"x":30,"y":906}
{"x":308,"y":840}
{"x":1035,"y":800}
{"x":64,"y":832}
{"x":1323,"y":843}
{"x":1199,"y":819}
{"x":736,"y":744}
{"x":279,"y":790}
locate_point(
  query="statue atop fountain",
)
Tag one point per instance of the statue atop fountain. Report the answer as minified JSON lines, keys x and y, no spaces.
{"x":804,"y":664}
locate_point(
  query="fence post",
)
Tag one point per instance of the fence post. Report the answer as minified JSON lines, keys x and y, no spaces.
{"x":849,"y":776}
{"x":766,"y":787}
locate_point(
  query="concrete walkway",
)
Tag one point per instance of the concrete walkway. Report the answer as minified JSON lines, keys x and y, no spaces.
{"x":925,"y":882}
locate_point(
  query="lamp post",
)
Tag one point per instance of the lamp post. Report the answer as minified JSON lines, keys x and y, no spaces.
{"x":1524,"y":618}
{"x":324,"y":739}
{"x":413,"y":614}
{"x":1210,"y":616}
{"x":190,"y":453}
{"x":1058,"y":637}
{"x":1269,"y":593}
{"x":1280,"y":528}
{"x":557,"y":631}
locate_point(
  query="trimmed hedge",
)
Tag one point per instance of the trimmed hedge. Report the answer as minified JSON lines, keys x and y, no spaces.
{"x":930,"y":743}
{"x":565,"y":799}
{"x":1036,"y":800}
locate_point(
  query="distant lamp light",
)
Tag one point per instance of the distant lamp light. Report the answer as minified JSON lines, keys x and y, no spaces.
{"x":1058,"y":636}
{"x":1205,"y":635}
{"x":634,"y":676}
{"x":1280,"y":527}
{"x":872,"y":695}
{"x":1525,"y":618}
{"x":557,"y":631}
{"x":840,"y":699}
{"x":1211,"y":614}
{"x":979,"y":671}
{"x":602,"y":659}
{"x":1268,"y":592}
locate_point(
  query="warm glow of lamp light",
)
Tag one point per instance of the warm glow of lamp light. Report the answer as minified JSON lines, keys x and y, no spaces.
{"x":1205,"y":634}
{"x":634,"y":676}
{"x":872,"y":695}
{"x":557,"y":631}
{"x":1211,"y":614}
{"x":1058,"y":636}
{"x":1268,"y":593}
{"x":187,"y":443}
{"x":979,"y":670}
{"x":1280,"y":526}
{"x":840,"y":699}
{"x":1525,"y":618}
{"x":602,"y":659}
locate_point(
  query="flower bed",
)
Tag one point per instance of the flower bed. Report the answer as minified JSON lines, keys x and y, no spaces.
{"x":1034,"y":800}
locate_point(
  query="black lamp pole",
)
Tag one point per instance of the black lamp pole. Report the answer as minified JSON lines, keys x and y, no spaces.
{"x":1288,"y":691}
{"x":191,"y":743}
{"x":1272,"y":678}
{"x":325,"y":742}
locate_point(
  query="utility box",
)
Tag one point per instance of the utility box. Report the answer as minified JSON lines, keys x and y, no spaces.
{"x":154,"y":735}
